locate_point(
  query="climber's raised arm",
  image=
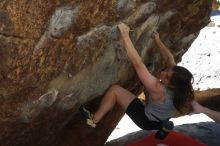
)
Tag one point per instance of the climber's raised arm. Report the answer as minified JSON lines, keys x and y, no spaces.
{"x":145,"y":76}
{"x":167,"y":55}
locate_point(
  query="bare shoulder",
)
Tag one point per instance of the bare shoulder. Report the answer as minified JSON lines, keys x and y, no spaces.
{"x":158,"y":93}
{"x":157,"y":88}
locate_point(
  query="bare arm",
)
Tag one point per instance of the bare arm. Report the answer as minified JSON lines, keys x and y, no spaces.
{"x":167,"y":55}
{"x":197,"y":108}
{"x":144,"y":75}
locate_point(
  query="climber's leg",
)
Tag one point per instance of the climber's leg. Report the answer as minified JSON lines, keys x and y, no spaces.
{"x":115,"y":94}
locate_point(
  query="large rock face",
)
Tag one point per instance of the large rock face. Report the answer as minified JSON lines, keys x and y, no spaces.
{"x":57,"y":55}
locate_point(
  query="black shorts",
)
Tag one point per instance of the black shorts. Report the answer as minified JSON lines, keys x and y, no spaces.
{"x":136,"y":112}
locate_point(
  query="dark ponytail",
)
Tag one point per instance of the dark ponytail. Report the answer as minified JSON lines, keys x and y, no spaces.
{"x":181,"y":80}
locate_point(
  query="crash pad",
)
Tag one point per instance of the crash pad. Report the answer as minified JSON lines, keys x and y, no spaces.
{"x":173,"y":139}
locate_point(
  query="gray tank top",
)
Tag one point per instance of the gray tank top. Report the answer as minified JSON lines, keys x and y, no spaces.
{"x":161,"y":110}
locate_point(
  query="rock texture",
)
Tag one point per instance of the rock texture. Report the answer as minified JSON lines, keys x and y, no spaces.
{"x":57,"y":55}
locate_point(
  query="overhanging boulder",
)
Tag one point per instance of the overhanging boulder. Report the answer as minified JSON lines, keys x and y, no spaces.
{"x":57,"y":55}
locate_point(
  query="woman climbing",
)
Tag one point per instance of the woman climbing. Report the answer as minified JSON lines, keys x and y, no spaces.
{"x":171,"y":92}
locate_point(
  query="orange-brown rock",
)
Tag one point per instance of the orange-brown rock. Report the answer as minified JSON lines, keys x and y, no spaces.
{"x":57,"y":55}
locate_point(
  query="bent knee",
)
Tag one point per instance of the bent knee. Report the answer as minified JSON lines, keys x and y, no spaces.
{"x":115,"y":87}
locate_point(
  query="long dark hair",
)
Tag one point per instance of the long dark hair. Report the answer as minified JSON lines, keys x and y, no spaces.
{"x":181,"y":80}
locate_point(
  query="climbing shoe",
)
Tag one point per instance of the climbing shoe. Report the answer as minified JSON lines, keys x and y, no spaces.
{"x":87,"y":116}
